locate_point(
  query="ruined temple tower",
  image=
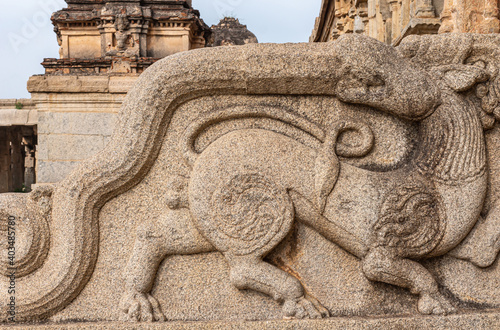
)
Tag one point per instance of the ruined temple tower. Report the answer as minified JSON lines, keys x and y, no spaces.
{"x":230,"y":32}
{"x":118,"y":36}
{"x":104,"y":46}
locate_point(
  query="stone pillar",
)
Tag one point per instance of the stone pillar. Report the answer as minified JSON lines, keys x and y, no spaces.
{"x":425,"y":9}
{"x":64,"y":51}
{"x":29,"y":157}
{"x":396,"y":14}
{"x":372,"y":19}
{"x":186,"y":45}
{"x":17,"y":159}
{"x":4,"y":159}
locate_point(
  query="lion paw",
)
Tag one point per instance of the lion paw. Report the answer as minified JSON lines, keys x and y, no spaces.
{"x":434,"y":303}
{"x":481,"y":252}
{"x":140,"y":307}
{"x":304,"y":307}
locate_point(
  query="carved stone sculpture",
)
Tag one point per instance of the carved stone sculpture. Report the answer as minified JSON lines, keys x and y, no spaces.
{"x":257,"y":156}
{"x":124,"y":41}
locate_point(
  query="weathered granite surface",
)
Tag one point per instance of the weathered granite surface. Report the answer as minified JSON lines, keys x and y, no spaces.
{"x":269,"y":181}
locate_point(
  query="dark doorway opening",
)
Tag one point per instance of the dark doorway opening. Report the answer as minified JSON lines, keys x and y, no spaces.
{"x":17,"y":158}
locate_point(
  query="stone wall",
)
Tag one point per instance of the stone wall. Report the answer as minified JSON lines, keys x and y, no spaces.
{"x":391,"y":20}
{"x":480,"y":16}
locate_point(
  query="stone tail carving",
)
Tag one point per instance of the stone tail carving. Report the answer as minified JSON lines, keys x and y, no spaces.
{"x":327,"y":163}
{"x":29,"y":229}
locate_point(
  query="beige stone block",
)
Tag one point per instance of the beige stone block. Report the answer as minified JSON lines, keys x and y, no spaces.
{"x":78,"y":102}
{"x":93,"y":84}
{"x":76,"y":123}
{"x":10,"y":117}
{"x":52,"y":172}
{"x":162,"y":42}
{"x":68,"y":84}
{"x":119,"y":84}
{"x":85,"y":46}
{"x":73,"y":147}
{"x":42,"y":150}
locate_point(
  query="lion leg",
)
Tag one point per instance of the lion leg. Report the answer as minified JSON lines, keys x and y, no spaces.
{"x":251,"y":272}
{"x":245,"y":217}
{"x":171,"y":235}
{"x":137,"y":304}
{"x":383,"y":266}
{"x":482,"y":245}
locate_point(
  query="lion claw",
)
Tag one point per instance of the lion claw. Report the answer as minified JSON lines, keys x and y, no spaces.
{"x":304,"y":307}
{"x":140,"y":307}
{"x":435,"y":303}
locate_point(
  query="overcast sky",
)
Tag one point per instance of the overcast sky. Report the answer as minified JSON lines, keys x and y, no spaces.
{"x":27,"y":37}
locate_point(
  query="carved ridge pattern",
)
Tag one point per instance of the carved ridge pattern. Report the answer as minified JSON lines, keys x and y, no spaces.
{"x":249,"y":212}
{"x":37,"y":228}
{"x":411,"y":221}
{"x":460,"y":153}
{"x":287,"y":117}
{"x":206,"y":120}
